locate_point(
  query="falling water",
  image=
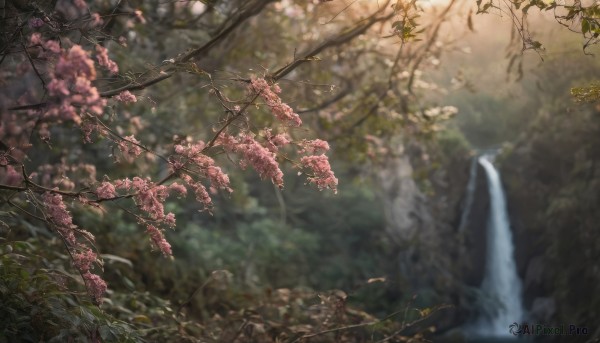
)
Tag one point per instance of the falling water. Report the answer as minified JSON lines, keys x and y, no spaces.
{"x":501,"y":287}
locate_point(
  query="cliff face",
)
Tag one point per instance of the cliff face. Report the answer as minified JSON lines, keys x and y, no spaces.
{"x":553,"y":191}
{"x":423,"y":208}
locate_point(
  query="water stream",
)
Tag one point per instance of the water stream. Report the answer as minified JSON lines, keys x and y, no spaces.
{"x":501,"y":303}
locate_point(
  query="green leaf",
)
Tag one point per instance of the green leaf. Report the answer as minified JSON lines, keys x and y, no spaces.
{"x":116,"y":258}
{"x":585,"y":26}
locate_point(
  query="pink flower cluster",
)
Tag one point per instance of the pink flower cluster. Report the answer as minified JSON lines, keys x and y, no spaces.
{"x":105,"y":61}
{"x":178,"y":188}
{"x":11,"y":176}
{"x":71,"y":84}
{"x":148,"y":196}
{"x":106,"y":191}
{"x":130,"y":147}
{"x":274,"y":142}
{"x":323,"y":175}
{"x":205,"y":165}
{"x":83,"y":257}
{"x":253,"y":153}
{"x":280,"y":110}
{"x":59,"y":216}
{"x":83,"y":260}
{"x":200,"y":191}
{"x":50,"y":48}
{"x":126,"y":97}
{"x":158,"y":240}
{"x":95,"y":285}
{"x":316,"y":146}
{"x":191,"y":157}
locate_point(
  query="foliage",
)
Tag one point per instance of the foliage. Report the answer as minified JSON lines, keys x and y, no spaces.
{"x":38,"y":304}
{"x":590,"y":93}
{"x":577,"y":16}
{"x":553,"y":186}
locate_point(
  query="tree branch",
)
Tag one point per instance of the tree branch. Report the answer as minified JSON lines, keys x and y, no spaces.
{"x":342,"y":38}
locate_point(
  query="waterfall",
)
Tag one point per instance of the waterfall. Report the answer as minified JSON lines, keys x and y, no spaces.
{"x":501,"y":288}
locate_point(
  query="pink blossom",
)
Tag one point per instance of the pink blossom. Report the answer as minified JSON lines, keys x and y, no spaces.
{"x":273,"y":143}
{"x":87,"y":128}
{"x":279,"y":109}
{"x":106,"y":191}
{"x":105,"y":61}
{"x":58,"y":87}
{"x":130,"y":146}
{"x":58,"y":215}
{"x":65,"y":184}
{"x":253,"y":153}
{"x":150,"y":197}
{"x":323,"y":175}
{"x":75,"y":63}
{"x":170,"y":219}
{"x":95,"y":285}
{"x":71,"y":85}
{"x":52,"y":46}
{"x":124,"y":184}
{"x":126,"y":97}
{"x":200,"y":191}
{"x":178,"y":188}
{"x":12,"y":177}
{"x":261,"y":159}
{"x":227,"y":141}
{"x":159,"y":241}
{"x":80,"y":4}
{"x":96,"y":19}
{"x":202,"y":195}
{"x":281,"y":139}
{"x":83,"y":260}
{"x":314,"y":146}
{"x":35,"y":39}
{"x":137,"y":122}
{"x":204,"y":164}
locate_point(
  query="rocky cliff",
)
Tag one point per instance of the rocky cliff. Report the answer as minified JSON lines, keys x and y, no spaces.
{"x":440,"y":250}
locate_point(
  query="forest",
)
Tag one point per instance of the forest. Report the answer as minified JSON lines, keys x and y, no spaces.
{"x":296,"y":171}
